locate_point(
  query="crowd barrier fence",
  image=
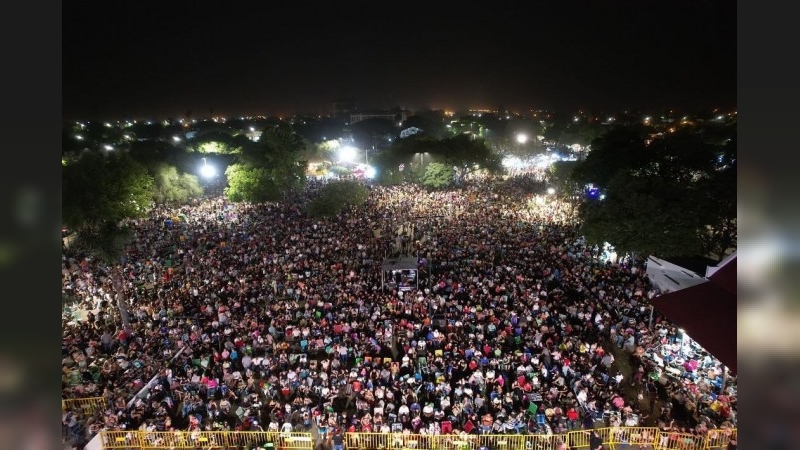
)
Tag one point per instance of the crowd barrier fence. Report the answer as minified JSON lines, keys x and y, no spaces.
{"x":632,"y":438}
{"x":88,"y":406}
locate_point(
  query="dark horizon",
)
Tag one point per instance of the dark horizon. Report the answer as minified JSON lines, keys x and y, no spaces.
{"x":166,"y":59}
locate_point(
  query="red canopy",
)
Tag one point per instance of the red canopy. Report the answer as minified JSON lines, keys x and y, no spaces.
{"x":707,"y":311}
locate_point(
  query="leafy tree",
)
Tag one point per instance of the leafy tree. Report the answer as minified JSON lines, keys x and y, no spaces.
{"x":408,"y":158}
{"x":335,"y":197}
{"x":582,"y":132}
{"x":174,"y":187}
{"x":467,"y":155}
{"x":438,"y":175}
{"x":675,"y":197}
{"x":371,"y":132}
{"x":430,"y":123}
{"x":147,"y":130}
{"x":153,"y":153}
{"x":641,"y":215}
{"x":717,"y":203}
{"x":339,"y":171}
{"x":100,"y":190}
{"x":268,"y":169}
{"x":104,"y":187}
{"x":567,"y":189}
{"x":323,"y":151}
{"x":251,"y":184}
{"x":620,"y":150}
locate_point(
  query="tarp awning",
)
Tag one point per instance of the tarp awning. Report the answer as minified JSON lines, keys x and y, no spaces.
{"x":707,"y":310}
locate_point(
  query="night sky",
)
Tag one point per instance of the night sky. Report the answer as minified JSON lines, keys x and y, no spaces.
{"x":146,"y":59}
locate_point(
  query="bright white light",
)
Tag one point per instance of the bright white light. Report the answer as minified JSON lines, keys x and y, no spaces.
{"x":512,"y":162}
{"x":370,"y":172}
{"x":551,"y":191}
{"x":347,"y":153}
{"x":108,"y":147}
{"x":79,"y":137}
{"x":207,"y":170}
{"x":176,"y":138}
{"x":522,"y":138}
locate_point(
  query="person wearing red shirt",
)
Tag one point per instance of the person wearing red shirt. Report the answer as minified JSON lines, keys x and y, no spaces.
{"x":572,"y":417}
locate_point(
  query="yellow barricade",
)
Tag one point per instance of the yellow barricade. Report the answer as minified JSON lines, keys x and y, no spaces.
{"x":251,"y":439}
{"x":88,"y":406}
{"x":635,"y":437}
{"x":121,"y":439}
{"x":367,"y":440}
{"x":718,"y":439}
{"x":206,"y":439}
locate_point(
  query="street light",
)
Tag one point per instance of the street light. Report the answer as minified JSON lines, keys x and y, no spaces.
{"x":207,"y":170}
{"x":347,"y":153}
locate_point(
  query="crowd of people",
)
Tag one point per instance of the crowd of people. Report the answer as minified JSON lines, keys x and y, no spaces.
{"x":259,"y":317}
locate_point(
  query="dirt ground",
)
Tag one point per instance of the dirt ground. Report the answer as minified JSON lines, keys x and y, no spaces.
{"x":623,"y":361}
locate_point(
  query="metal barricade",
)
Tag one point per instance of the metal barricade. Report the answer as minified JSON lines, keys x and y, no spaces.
{"x":121,"y":439}
{"x":616,"y":437}
{"x":205,"y":440}
{"x":87,"y":406}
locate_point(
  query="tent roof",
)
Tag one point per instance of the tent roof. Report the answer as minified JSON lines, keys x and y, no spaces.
{"x":669,"y":277}
{"x":402,"y":263}
{"x":707,"y":311}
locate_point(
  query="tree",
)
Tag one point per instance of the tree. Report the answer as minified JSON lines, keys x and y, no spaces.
{"x":335,"y":196}
{"x":641,"y":215}
{"x":371,"y":132}
{"x":438,"y":175}
{"x":173,"y":187}
{"x":102,"y":187}
{"x":675,"y":197}
{"x":430,"y":122}
{"x":467,"y":155}
{"x":100,"y":191}
{"x":620,"y":150}
{"x":567,"y":189}
{"x":268,"y":169}
{"x":717,"y":204}
{"x":251,"y":184}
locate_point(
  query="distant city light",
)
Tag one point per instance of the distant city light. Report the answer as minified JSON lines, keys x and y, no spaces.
{"x":108,"y":147}
{"x":522,"y":138}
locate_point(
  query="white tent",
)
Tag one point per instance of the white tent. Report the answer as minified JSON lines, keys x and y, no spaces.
{"x":669,"y":277}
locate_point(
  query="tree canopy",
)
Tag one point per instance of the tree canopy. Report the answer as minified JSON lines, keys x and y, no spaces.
{"x":266,"y":170}
{"x":465,"y":154}
{"x":174,"y":187}
{"x":103,"y":187}
{"x":438,"y":175}
{"x":674,"y":197}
